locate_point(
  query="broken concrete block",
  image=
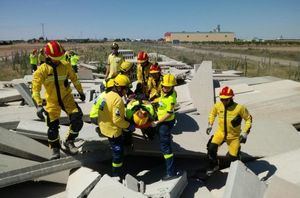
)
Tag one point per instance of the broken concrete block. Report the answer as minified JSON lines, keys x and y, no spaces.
{"x":133,"y":184}
{"x":22,"y":146}
{"x":108,"y":187}
{"x":171,"y":188}
{"x":25,"y":93}
{"x":81,"y":182}
{"x":241,"y":182}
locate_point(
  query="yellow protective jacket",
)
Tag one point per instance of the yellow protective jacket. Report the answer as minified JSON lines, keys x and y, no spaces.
{"x":167,"y":104}
{"x":74,"y":59}
{"x":230,"y":119}
{"x":112,"y":117}
{"x":96,"y":106}
{"x":45,"y":75}
{"x":143,"y":73}
{"x":33,"y":59}
{"x":41,"y":58}
{"x":114,"y":62}
{"x":153,"y":88}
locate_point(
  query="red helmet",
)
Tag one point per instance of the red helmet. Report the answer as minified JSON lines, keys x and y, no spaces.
{"x":54,"y":50}
{"x":226,"y":93}
{"x":142,"y":57}
{"x":155,"y":69}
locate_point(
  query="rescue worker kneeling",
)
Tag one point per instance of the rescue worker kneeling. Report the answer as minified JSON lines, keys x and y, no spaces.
{"x":142,"y":114}
{"x":54,"y":75}
{"x":230,"y":115}
{"x":165,"y":123}
{"x":112,"y":121}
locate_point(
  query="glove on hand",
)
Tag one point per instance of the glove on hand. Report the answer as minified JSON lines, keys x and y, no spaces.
{"x":40,"y":112}
{"x":154,"y":124}
{"x":243,"y":137}
{"x":82,"y":97}
{"x":208,"y":130}
{"x":131,"y":127}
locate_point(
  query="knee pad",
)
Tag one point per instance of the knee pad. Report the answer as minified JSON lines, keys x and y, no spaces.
{"x":53,"y":129}
{"x":76,"y":121}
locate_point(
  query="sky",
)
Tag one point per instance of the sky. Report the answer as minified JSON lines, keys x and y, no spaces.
{"x":138,"y":19}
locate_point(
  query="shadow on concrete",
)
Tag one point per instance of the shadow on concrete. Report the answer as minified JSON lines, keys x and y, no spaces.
{"x":261,"y":166}
{"x":185,"y":123}
{"x":32,"y":189}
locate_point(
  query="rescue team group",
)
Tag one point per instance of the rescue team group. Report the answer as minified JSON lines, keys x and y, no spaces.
{"x":118,"y":110}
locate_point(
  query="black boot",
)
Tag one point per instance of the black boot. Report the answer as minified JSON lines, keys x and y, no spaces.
{"x":70,"y":147}
{"x":55,"y":154}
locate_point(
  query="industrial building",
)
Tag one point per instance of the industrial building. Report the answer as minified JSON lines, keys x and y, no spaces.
{"x":213,"y":36}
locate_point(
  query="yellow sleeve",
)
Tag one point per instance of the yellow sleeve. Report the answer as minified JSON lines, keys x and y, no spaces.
{"x":139,"y":73}
{"x":119,"y":114}
{"x":73,"y":77}
{"x":212,"y":115}
{"x":37,"y":82}
{"x":248,"y":119}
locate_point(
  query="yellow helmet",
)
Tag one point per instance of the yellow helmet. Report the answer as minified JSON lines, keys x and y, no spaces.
{"x":140,"y":117}
{"x":169,"y":80}
{"x":126,"y":66}
{"x":110,"y":83}
{"x":121,"y":80}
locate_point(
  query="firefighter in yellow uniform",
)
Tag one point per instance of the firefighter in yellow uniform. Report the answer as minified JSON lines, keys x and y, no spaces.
{"x":165,"y":123}
{"x":114,"y":62}
{"x":143,"y":69}
{"x":41,"y":56}
{"x":230,"y":115}
{"x":99,"y":103}
{"x":54,"y":75}
{"x":154,"y":83}
{"x":112,"y":121}
{"x":33,"y":60}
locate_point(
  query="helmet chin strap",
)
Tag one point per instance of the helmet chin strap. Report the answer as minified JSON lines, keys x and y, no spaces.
{"x":49,"y":62}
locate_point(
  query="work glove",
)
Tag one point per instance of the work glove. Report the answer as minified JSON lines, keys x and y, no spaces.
{"x":40,"y":112}
{"x":82,"y":97}
{"x":131,"y":127}
{"x":208,"y":130}
{"x":243,"y":137}
{"x":154,"y":124}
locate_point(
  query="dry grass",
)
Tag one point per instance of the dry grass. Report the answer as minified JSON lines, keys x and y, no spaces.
{"x":100,"y":51}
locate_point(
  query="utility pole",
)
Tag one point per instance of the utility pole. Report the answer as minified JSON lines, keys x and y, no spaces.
{"x":43,"y":33}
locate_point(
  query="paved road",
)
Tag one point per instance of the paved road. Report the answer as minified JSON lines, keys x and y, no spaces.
{"x":250,"y":57}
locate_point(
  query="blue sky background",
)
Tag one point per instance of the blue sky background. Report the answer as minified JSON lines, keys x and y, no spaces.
{"x":137,"y":19}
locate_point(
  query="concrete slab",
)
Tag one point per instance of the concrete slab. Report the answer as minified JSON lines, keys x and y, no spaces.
{"x":9,"y":95}
{"x":22,"y":146}
{"x":133,"y":184}
{"x":285,"y":166}
{"x":81,"y":182}
{"x":109,"y":187}
{"x":25,"y":93}
{"x":253,"y":81}
{"x":87,"y":66}
{"x":241,"y":182}
{"x":171,"y":188}
{"x":238,"y":89}
{"x":201,"y":88}
{"x":87,"y":132}
{"x":85,"y":74}
{"x":279,"y":188}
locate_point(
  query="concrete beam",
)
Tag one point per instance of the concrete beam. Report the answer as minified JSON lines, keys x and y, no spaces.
{"x":241,"y":182}
{"x":25,"y":92}
{"x":81,"y":182}
{"x":22,"y":146}
{"x":109,"y":187}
